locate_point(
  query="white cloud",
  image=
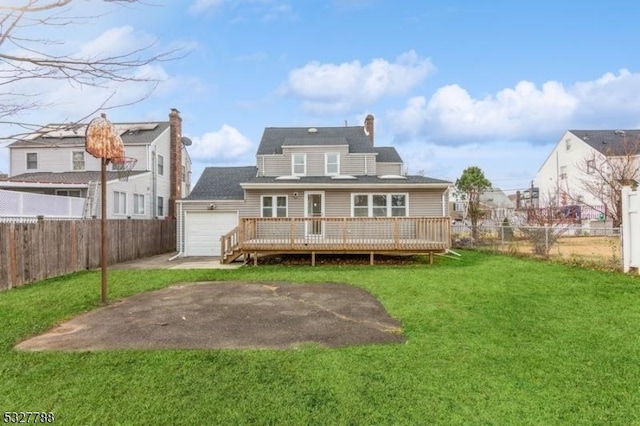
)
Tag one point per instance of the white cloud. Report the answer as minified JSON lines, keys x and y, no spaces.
{"x":226,"y":144}
{"x":509,"y":165}
{"x":203,"y":5}
{"x":335,"y":88}
{"x":265,"y":10}
{"x":525,"y":111}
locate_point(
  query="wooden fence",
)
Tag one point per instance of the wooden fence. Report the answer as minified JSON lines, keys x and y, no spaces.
{"x":35,"y":251}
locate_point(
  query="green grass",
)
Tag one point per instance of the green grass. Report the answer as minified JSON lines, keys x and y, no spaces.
{"x":490,"y":340}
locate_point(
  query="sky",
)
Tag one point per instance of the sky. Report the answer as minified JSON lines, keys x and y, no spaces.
{"x":451,"y":84}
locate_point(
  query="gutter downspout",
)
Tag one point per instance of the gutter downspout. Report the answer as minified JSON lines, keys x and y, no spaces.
{"x":180,"y":236}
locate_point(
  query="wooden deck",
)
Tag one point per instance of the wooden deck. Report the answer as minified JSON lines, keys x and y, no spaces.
{"x":394,"y":235}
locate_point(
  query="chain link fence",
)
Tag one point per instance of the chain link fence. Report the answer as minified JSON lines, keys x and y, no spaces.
{"x":595,"y":242}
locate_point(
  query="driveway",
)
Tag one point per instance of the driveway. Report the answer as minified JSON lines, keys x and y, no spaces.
{"x":162,"y":262}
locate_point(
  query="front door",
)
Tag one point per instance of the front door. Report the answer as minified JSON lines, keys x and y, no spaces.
{"x":314,"y":209}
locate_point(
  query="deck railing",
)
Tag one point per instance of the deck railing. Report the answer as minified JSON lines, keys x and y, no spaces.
{"x":338,"y":234}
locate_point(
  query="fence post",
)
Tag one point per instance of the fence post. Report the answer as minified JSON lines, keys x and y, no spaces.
{"x":546,"y":238}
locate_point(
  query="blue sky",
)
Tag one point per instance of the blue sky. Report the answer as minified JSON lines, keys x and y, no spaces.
{"x":451,"y":83}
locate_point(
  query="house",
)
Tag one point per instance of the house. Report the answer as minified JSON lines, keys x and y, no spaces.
{"x":53,"y":161}
{"x":315,"y":189}
{"x":572,"y":174}
{"x":494,"y":203}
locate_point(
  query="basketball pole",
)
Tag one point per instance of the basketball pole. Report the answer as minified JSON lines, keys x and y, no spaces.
{"x":103,"y":227}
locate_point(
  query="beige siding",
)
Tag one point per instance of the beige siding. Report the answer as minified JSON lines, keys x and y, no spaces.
{"x":274,"y":165}
{"x":389,"y":169}
{"x":338,"y":202}
{"x":350,"y":164}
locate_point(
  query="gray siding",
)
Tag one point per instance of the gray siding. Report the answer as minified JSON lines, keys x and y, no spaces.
{"x":426,"y":202}
{"x":350,"y":164}
{"x":389,"y":169}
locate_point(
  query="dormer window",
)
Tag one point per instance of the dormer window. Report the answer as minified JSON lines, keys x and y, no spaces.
{"x":331,"y":164}
{"x":298,"y":164}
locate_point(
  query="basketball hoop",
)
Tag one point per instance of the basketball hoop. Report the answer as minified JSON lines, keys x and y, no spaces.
{"x":123,"y":166}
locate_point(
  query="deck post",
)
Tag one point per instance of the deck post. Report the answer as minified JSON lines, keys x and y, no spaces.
{"x":255,"y":258}
{"x":430,"y":258}
{"x":292,"y":232}
{"x":313,"y":258}
{"x":371,"y":258}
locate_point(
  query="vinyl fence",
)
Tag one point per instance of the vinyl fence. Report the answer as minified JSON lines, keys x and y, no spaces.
{"x":49,"y":248}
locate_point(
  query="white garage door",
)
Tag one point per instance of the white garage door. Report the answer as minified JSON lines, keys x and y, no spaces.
{"x":204,"y":229}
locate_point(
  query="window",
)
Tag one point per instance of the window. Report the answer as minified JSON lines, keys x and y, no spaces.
{"x":567,"y":144}
{"x":77,"y":158}
{"x":138,"y":204}
{"x":563,"y":172}
{"x":298,"y":164}
{"x":119,"y":202}
{"x":32,"y":160}
{"x":160,"y":165}
{"x":360,"y":205}
{"x":379,"y":205}
{"x":458,"y":206}
{"x":591,"y":167}
{"x":331,"y":164}
{"x":274,"y":206}
{"x":160,"y":206}
{"x":69,"y":192}
{"x":398,"y":205}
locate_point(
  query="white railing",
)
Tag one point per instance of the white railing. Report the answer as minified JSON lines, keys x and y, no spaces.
{"x":25,"y":204}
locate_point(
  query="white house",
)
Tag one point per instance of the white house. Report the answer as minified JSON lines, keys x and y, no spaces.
{"x":575,"y":161}
{"x":53,"y":161}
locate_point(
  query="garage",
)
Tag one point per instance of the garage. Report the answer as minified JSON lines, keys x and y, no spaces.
{"x":204,"y":229}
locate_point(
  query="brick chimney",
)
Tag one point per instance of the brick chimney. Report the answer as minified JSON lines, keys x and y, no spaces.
{"x":368,"y":127}
{"x":175,"y":177}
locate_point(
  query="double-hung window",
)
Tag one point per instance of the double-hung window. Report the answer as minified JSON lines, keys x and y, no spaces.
{"x":160,"y":207}
{"x":298,"y":164}
{"x":77,"y":158}
{"x":331,"y":164}
{"x":160,"y":165}
{"x":119,"y":202}
{"x":32,"y":160}
{"x":379,"y":205}
{"x":274,"y":206}
{"x":138,"y":204}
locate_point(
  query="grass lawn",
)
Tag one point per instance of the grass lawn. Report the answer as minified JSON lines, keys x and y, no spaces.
{"x":490,"y":340}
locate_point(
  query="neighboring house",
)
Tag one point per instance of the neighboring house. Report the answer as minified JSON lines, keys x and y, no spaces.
{"x":574,"y":161}
{"x":53,"y":161}
{"x":494,"y":203}
{"x":314,"y":190}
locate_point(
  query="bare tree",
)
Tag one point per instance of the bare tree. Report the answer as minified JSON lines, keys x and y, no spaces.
{"x":605,"y":171}
{"x":26,"y":59}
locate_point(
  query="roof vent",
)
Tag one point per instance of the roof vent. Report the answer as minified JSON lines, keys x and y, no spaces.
{"x":312,"y":130}
{"x":619,"y":132}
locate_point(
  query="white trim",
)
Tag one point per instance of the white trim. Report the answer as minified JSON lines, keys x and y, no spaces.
{"x":306,"y":212}
{"x":274,"y":206}
{"x":26,"y":161}
{"x":388,"y":206}
{"x":293,"y":164}
{"x":119,"y":213}
{"x":84,"y":160}
{"x":5,"y":184}
{"x":326,"y":164}
{"x":350,"y":185}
